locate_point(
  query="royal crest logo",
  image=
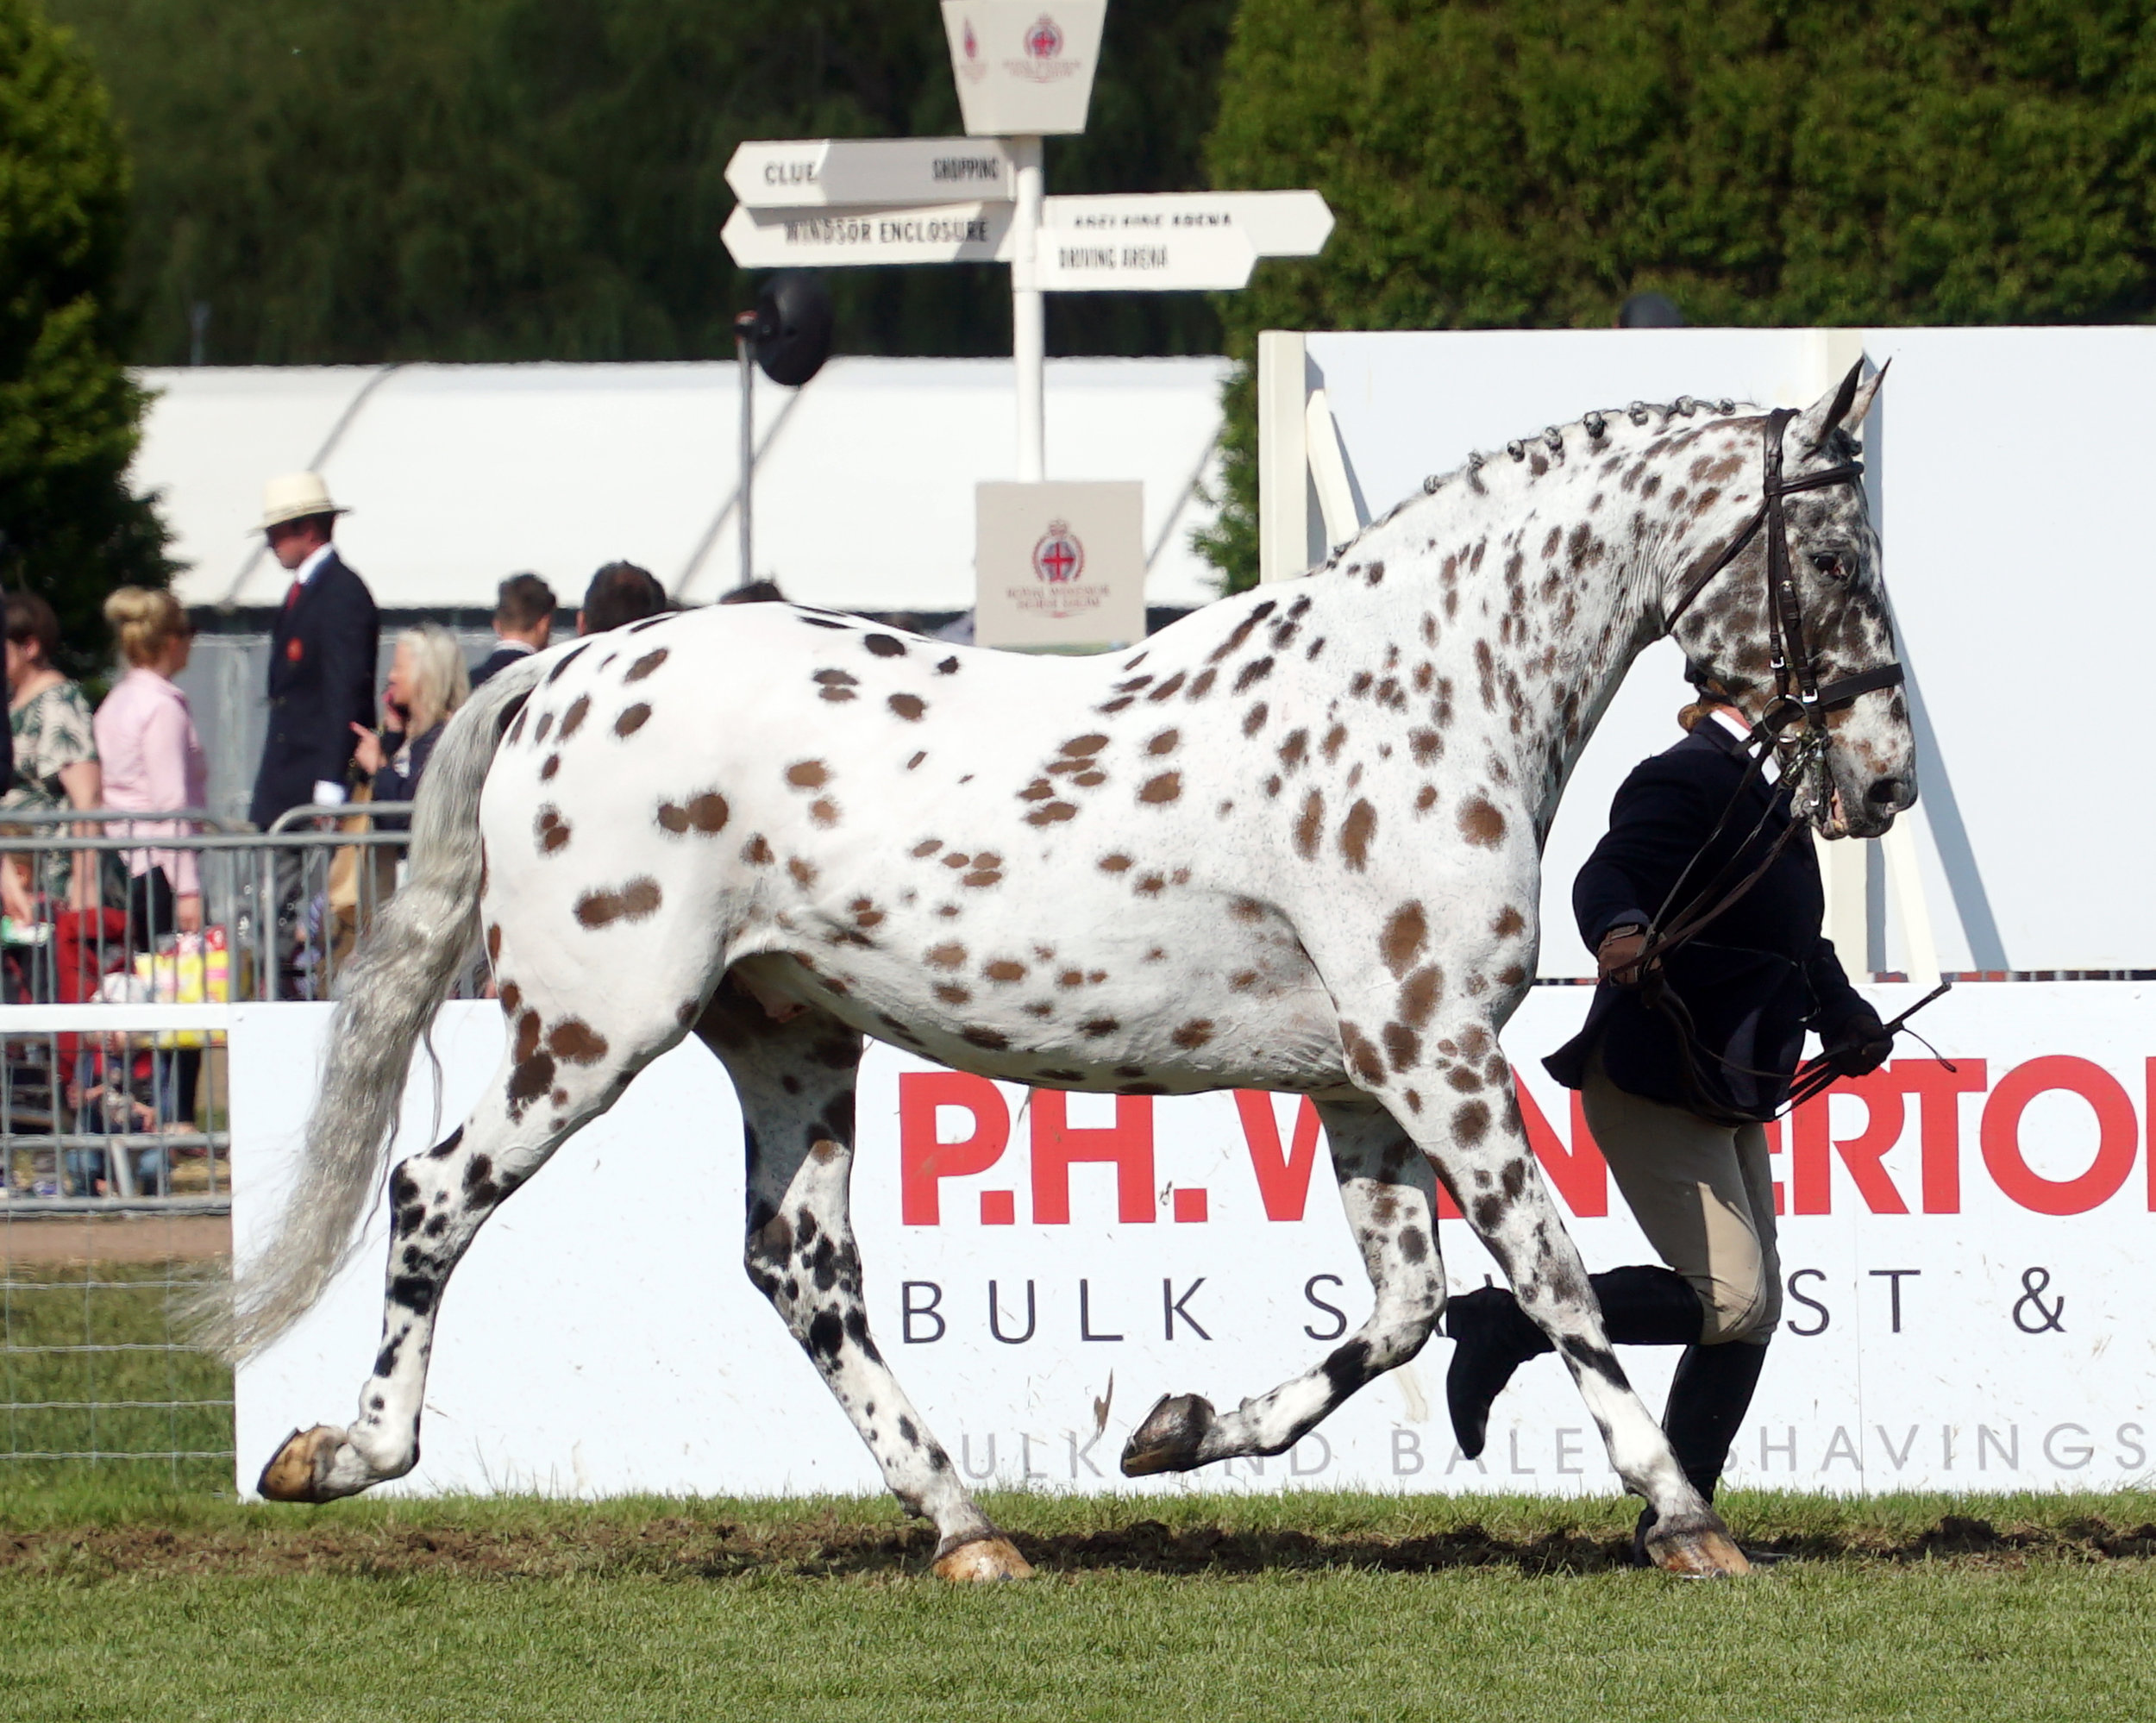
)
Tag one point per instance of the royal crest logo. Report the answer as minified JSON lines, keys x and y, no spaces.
{"x":1059,"y":558}
{"x":973,"y":45}
{"x":1043,"y":41}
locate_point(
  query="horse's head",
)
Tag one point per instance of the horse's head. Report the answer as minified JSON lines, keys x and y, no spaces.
{"x":1854,"y":753}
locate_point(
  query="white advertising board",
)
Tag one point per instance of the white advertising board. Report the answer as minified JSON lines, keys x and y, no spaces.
{"x":805,"y":173}
{"x":1024,"y":68}
{"x":1060,"y":564}
{"x":840,"y":238}
{"x":1109,"y":258}
{"x":1965,"y":1252}
{"x":1277,"y":224}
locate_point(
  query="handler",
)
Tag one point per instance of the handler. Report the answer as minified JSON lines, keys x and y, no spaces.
{"x":1679,"y":1068}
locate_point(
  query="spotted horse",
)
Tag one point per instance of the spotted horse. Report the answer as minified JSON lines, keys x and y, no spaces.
{"x":1291,"y":842}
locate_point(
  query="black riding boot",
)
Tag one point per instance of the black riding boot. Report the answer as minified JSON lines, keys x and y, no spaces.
{"x":1493,"y":1336}
{"x":1708,"y":1398}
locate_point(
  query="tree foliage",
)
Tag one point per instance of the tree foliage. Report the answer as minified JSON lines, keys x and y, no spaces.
{"x":68,"y":411}
{"x":1527,"y":163}
{"x":495,"y":180}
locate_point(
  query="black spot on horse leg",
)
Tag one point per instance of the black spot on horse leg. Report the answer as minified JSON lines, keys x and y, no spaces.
{"x":1347,"y":1368}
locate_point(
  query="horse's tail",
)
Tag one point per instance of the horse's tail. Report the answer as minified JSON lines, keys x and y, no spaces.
{"x":403,"y":969}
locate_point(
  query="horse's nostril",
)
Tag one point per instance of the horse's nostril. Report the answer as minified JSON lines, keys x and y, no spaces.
{"x":1889,"y":792}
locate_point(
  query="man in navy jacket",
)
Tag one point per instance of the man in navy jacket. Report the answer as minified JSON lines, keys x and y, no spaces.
{"x":322,"y":651}
{"x":1679,"y":1070}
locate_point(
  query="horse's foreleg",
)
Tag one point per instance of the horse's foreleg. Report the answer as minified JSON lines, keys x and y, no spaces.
{"x":1473,"y":1135}
{"x":795,"y":1080}
{"x":1387,"y":1190}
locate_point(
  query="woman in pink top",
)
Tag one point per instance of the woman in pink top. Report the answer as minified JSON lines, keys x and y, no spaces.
{"x":153,"y":758}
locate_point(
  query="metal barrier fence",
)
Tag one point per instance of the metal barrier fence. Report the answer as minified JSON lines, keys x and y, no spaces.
{"x":110,"y":1090}
{"x":115,"y":1129}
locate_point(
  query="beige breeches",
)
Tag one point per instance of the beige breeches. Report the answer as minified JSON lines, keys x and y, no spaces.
{"x":1703,"y":1193}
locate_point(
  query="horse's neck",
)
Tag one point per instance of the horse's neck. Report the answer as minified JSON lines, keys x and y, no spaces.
{"x":1531,"y":595}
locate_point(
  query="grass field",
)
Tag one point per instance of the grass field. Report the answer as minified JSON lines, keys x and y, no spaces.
{"x":118,"y":1601}
{"x":130,"y":1588}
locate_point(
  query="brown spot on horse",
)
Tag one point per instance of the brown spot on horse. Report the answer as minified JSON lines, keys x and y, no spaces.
{"x":634,"y":901}
{"x":1355,"y":832}
{"x":1480,"y":822}
{"x":1407,"y":931}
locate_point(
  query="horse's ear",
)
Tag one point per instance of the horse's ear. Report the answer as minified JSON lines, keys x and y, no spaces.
{"x":1843,"y":408}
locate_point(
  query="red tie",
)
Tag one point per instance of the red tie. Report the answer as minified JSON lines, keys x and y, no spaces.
{"x":291,"y":595}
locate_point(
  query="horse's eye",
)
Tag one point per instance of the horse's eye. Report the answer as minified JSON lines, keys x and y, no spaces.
{"x":1827,"y":562}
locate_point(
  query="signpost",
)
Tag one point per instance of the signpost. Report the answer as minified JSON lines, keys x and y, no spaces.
{"x":1025,"y":70}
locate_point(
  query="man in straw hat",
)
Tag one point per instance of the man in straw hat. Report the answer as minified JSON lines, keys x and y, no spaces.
{"x":322,"y":651}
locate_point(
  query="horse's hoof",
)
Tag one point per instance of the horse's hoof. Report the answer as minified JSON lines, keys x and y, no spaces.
{"x":1696,"y":1549}
{"x":984,"y":1558}
{"x":299,"y":1471}
{"x":1168,"y":1440}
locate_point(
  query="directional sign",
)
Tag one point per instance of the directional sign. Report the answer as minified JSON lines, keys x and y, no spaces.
{"x":1277,"y":223}
{"x":834,"y":238}
{"x":810,"y":172}
{"x":1081,"y":260}
{"x":1023,"y":68}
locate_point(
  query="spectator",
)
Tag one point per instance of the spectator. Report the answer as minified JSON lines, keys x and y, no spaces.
{"x":427,"y":682}
{"x":321,"y":652}
{"x":55,"y":759}
{"x":620,"y":593}
{"x":523,"y":623}
{"x":153,"y":758}
{"x":755,"y":592}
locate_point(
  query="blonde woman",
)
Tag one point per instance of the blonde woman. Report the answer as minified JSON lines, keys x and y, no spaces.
{"x":427,"y":682}
{"x":152,"y":757}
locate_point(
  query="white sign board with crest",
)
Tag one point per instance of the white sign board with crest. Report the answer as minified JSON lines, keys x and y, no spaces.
{"x":1059,"y":564}
{"x":1024,"y":68}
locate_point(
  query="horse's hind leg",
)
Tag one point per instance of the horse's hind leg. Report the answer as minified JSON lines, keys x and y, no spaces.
{"x":439,"y":1200}
{"x":795,"y":1081}
{"x":1387,"y":1191}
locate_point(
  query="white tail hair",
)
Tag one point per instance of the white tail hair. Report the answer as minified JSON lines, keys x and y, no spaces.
{"x":402,"y":972}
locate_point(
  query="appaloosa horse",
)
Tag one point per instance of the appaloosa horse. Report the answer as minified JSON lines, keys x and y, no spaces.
{"x":1292,"y":843}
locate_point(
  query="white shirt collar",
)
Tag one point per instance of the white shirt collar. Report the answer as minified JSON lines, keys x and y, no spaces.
{"x":315,"y":558}
{"x":1738,"y":728}
{"x":503,"y":643}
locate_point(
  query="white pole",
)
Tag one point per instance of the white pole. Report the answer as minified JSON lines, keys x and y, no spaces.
{"x":1283,"y":460}
{"x":1028,"y":330}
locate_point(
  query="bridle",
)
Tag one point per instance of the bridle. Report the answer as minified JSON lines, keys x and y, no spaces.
{"x":1792,"y":723}
{"x":1799,"y":700}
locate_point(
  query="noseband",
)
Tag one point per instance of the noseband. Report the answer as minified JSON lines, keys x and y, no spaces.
{"x":1798,"y":698}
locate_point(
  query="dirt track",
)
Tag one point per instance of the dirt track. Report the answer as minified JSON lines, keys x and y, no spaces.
{"x":711,"y":1550}
{"x":114,"y":1239}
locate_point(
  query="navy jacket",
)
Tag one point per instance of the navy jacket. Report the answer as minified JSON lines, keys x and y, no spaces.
{"x":393,"y":786}
{"x":499,"y":660}
{"x":1753,"y":979}
{"x":321,"y":683}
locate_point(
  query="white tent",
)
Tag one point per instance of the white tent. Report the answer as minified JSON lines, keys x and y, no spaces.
{"x":460,"y":474}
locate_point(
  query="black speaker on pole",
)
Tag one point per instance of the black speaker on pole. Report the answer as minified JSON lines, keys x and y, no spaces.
{"x":790,"y":330}
{"x":789,"y":337}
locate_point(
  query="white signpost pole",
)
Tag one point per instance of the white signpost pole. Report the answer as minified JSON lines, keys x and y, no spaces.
{"x":1024,"y":71}
{"x":1029,"y":314}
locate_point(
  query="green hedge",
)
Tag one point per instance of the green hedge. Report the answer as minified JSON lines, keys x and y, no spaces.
{"x":1529,"y":163}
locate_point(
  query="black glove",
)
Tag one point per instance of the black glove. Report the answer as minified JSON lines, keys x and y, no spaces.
{"x":1860,"y":1046}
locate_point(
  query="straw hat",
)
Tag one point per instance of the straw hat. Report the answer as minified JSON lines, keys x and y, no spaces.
{"x":294,"y":496}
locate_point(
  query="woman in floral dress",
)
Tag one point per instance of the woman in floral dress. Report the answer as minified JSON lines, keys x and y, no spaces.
{"x":55,"y":762}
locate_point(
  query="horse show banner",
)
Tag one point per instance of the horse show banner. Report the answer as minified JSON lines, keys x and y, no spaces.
{"x":1966,"y":1244}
